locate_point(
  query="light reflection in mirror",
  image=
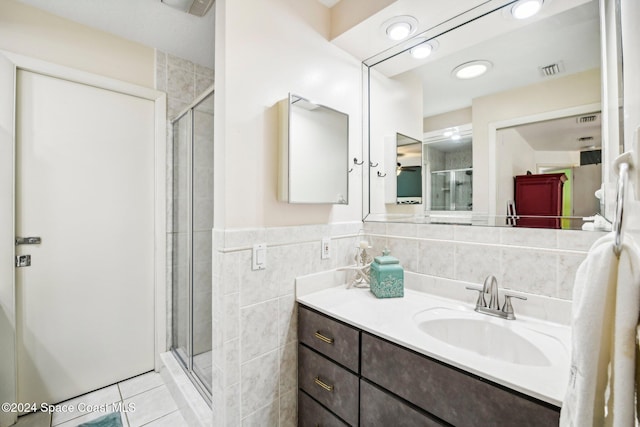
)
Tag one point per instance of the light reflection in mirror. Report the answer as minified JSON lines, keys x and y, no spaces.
{"x":540,"y":67}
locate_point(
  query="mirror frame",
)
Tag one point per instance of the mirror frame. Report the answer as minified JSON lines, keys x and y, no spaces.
{"x":610,"y":54}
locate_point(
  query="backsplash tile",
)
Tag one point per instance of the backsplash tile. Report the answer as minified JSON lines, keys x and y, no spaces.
{"x":541,"y":261}
{"x":434,"y":258}
{"x":406,"y":250}
{"x":578,"y":240}
{"x":568,"y":264}
{"x":477,"y":234}
{"x":529,"y":271}
{"x":529,"y":237}
{"x":435,"y":231}
{"x":473,"y":263}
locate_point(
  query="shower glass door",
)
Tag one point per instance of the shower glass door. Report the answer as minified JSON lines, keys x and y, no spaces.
{"x":192,"y":220}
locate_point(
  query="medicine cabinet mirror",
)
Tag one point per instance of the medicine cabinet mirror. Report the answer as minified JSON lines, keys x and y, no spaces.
{"x":408,"y":176}
{"x":314,"y":144}
{"x":538,"y":109}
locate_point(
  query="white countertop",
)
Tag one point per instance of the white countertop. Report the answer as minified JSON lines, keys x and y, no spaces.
{"x":394,"y":320}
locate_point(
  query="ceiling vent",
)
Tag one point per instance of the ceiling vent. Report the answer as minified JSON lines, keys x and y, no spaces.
{"x":194,"y":7}
{"x":585,"y":139}
{"x":551,"y":69}
{"x":587,"y":119}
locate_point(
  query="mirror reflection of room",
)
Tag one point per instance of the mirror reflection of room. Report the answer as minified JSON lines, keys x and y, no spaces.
{"x":449,"y":159}
{"x":534,"y":71}
{"x":408,"y":170}
{"x":550,"y":168}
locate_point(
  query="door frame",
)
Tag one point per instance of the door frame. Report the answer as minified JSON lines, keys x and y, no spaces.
{"x":8,"y":358}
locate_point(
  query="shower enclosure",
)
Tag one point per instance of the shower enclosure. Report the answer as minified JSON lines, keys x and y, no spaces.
{"x":451,"y":190}
{"x":191,"y":240}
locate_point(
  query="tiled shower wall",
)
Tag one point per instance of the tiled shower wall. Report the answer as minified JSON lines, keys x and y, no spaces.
{"x":255,"y":342}
{"x":538,"y":261}
{"x":183,"y":81}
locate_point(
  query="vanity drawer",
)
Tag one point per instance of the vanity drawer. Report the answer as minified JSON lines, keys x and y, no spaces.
{"x":380,"y":408}
{"x":313,"y":414}
{"x":329,"y":337}
{"x":328,"y":383}
{"x":449,"y":394}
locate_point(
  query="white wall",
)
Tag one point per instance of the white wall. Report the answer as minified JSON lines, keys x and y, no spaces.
{"x":559,"y":158}
{"x":396,"y":107}
{"x":515,"y":157}
{"x":264,"y":50}
{"x":448,"y":119}
{"x":32,"y":32}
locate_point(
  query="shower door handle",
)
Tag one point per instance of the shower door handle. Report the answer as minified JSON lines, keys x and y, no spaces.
{"x":28,"y":241}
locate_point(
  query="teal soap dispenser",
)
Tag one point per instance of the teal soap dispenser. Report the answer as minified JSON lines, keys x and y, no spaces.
{"x":387,"y":276}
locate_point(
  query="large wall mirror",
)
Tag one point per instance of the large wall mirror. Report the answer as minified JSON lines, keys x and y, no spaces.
{"x":510,"y":112}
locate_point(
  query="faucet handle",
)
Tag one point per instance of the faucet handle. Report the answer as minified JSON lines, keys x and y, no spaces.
{"x":480,"y":302}
{"x":507,"y":308}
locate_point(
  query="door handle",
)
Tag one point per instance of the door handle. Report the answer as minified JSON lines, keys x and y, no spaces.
{"x":28,"y":241}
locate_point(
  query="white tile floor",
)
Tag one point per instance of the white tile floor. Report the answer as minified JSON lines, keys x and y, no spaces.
{"x":146,"y":395}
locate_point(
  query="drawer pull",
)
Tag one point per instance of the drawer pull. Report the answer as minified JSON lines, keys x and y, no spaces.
{"x":323,"y":338}
{"x":322,"y":384}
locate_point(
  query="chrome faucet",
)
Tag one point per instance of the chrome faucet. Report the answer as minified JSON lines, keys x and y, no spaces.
{"x":490,"y":288}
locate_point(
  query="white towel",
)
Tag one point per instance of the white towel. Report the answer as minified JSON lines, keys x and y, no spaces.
{"x":606,"y":304}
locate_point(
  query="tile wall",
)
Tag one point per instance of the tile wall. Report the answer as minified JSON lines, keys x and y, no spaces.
{"x":538,"y":261}
{"x":255,"y":343}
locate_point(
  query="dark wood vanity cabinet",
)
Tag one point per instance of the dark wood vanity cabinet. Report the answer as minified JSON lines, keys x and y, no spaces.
{"x":388,"y":385}
{"x":450,"y":394}
{"x":328,"y":370}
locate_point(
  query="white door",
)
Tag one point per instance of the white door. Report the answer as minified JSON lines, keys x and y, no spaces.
{"x":85,"y":185}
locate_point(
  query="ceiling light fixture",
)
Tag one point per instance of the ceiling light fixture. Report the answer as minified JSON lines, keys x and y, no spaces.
{"x":524,"y":9}
{"x":472,"y":69}
{"x":400,"y":27}
{"x":423,"y":49}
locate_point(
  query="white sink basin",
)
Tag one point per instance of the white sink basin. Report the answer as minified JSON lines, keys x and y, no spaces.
{"x":504,"y":340}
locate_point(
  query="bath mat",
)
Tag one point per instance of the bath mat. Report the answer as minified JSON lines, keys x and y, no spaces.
{"x":110,"y":420}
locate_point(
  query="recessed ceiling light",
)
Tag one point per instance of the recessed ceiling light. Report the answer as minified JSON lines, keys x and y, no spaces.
{"x":423,"y":49}
{"x":398,"y":31}
{"x":455,"y":137}
{"x":470,"y":70}
{"x":400,"y":27}
{"x":524,"y":9}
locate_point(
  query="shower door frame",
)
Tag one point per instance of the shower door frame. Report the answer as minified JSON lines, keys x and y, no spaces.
{"x":187,"y":365}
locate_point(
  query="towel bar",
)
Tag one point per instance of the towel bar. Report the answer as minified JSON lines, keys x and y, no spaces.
{"x":622,"y":164}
